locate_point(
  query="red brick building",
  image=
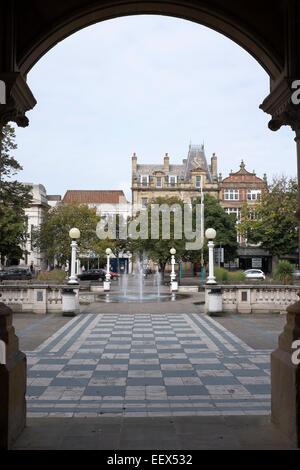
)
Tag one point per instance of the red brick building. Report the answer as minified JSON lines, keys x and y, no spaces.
{"x":237,"y":190}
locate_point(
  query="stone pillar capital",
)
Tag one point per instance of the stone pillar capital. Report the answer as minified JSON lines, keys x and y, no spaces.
{"x":18,"y":99}
{"x":279,"y":104}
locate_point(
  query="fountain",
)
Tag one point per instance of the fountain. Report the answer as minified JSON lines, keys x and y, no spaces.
{"x":133,"y":289}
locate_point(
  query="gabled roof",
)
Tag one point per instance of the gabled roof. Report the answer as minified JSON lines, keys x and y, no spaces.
{"x":242,"y":170}
{"x":95,"y":197}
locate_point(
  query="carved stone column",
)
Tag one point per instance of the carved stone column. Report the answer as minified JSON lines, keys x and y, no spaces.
{"x":12,"y":382}
{"x":285,"y":376}
{"x":285,"y":379}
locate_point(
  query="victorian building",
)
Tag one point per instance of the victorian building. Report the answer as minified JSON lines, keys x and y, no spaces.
{"x":239,"y":191}
{"x":184,"y":181}
{"x":34,"y":214}
{"x":108,"y":203}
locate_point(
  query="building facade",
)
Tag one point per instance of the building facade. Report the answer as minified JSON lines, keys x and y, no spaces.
{"x":34,"y":213}
{"x":182,"y":181}
{"x":108,"y":203}
{"x":240,"y":190}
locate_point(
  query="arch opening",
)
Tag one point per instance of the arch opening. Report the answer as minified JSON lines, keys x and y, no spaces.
{"x":220,"y":21}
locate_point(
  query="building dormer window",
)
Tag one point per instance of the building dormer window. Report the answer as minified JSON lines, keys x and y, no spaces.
{"x":172,"y":180}
{"x":145,"y":180}
{"x":198,"y":181}
{"x":159,"y":182}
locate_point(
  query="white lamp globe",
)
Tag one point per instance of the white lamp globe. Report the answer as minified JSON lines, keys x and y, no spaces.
{"x":210,"y":233}
{"x":74,"y":233}
{"x":173,"y":251}
{"x":108,"y":251}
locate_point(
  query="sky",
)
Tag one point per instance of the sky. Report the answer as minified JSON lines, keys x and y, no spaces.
{"x":150,"y":85}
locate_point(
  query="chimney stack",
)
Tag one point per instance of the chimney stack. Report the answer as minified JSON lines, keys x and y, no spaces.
{"x":214,"y":165}
{"x":134,"y":162}
{"x":167,"y":163}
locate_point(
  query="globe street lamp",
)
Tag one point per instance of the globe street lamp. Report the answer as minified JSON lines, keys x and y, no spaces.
{"x":74,"y":234}
{"x":174,"y":283}
{"x":107,"y":275}
{"x":210,"y":235}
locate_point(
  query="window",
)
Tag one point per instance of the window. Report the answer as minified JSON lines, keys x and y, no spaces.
{"x":233,"y":210}
{"x":172,"y":180}
{"x":158,"y":181}
{"x":144,"y":202}
{"x":253,"y":194}
{"x":198,"y":181}
{"x":231,"y":194}
{"x":144,"y":180}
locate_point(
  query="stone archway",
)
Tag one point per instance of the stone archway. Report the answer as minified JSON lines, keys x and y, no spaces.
{"x":29,"y":29}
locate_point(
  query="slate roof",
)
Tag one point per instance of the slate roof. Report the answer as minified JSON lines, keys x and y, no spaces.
{"x":196,"y":159}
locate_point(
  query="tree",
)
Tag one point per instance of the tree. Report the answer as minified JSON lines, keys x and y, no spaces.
{"x":158,"y":247}
{"x":14,"y":198}
{"x":223,"y":223}
{"x":53,"y":235}
{"x":273,"y":224}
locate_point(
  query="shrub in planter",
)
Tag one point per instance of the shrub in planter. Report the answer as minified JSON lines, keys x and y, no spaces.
{"x":284,"y":271}
{"x":56,"y":275}
{"x":237,"y":276}
{"x":220,"y":274}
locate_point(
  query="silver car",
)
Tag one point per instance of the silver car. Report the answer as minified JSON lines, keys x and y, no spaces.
{"x":254,"y":274}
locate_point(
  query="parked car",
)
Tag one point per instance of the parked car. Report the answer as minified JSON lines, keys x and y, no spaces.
{"x":15,"y":274}
{"x":114,"y":276}
{"x":92,"y":275}
{"x":296,"y":274}
{"x":254,"y":274}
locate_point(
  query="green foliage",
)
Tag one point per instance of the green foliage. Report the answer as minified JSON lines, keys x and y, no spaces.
{"x":224,"y":224}
{"x":221,"y":274}
{"x":274,"y":224}
{"x":236,"y":276}
{"x":56,"y":275}
{"x":53,"y":236}
{"x":284,"y":271}
{"x":14,"y":198}
{"x":158,"y":248}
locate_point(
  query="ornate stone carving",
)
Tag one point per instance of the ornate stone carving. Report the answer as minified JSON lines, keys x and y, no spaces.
{"x":19,"y":100}
{"x":279,"y":105}
{"x":12,"y":382}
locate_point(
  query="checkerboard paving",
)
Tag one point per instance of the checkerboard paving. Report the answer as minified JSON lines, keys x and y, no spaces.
{"x":146,"y":365}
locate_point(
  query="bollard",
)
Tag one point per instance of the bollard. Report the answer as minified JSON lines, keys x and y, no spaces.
{"x":215,"y":302}
{"x":12,"y":382}
{"x":70,"y":305}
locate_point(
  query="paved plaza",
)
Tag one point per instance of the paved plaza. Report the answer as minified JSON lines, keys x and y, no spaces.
{"x":146,"y":365}
{"x":147,"y":376}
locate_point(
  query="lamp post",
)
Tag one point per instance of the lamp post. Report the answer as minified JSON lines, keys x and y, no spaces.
{"x":74,"y":234}
{"x":107,"y":275}
{"x":210,"y":235}
{"x":174,"y":283}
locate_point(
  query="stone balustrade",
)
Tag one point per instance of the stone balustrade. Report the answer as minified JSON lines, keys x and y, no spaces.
{"x":39,"y":298}
{"x":256,"y":299}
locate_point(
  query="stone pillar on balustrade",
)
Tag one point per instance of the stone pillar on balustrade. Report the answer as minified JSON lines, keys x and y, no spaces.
{"x":12,"y":382}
